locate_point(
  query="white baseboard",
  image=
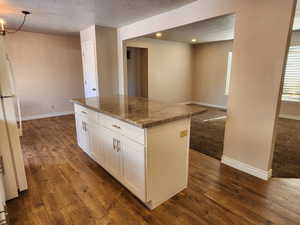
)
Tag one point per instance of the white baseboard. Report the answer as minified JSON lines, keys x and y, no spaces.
{"x":47,"y":115}
{"x":262,"y":174}
{"x":287,"y":116}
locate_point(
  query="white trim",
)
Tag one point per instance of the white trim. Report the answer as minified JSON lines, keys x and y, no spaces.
{"x":262,"y":174}
{"x":47,"y":115}
{"x":287,"y":116}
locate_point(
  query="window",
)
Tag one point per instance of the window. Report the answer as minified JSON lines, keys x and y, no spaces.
{"x":291,"y":85}
{"x":229,"y":63}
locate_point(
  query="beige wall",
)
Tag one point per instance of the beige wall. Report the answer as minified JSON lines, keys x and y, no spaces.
{"x":48,"y":71}
{"x":137,"y":69}
{"x":107,"y":60}
{"x":169,"y":69}
{"x":210,"y":70}
{"x":291,"y":109}
{"x":258,"y":63}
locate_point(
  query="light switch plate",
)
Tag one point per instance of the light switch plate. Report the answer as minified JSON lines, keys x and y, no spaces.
{"x":183,"y":133}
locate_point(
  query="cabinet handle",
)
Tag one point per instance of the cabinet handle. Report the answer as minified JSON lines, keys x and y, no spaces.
{"x":2,"y":171}
{"x":114,"y":143}
{"x":5,"y":221}
{"x":84,"y":112}
{"x":118,"y":146}
{"x":84,"y":126}
{"x":116,"y":126}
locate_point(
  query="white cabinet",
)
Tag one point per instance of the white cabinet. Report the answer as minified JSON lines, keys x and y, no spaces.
{"x":152,"y":162}
{"x":82,"y":133}
{"x":133,"y":161}
{"x":94,"y":144}
{"x":112,"y":152}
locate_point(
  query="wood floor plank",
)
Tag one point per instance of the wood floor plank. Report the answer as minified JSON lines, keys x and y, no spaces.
{"x":66,"y":187}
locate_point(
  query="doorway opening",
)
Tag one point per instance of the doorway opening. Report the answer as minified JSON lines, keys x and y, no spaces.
{"x":137,"y":71}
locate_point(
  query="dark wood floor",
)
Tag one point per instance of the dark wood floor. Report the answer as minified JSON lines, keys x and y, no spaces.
{"x":66,"y":187}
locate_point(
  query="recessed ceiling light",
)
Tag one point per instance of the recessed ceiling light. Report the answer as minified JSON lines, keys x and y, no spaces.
{"x":158,"y":34}
{"x":194,"y":40}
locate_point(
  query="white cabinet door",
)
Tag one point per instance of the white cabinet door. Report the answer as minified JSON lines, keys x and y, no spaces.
{"x":89,"y":62}
{"x":93,"y":139}
{"x":82,"y":133}
{"x":108,"y":142}
{"x":96,"y":150}
{"x":133,"y":160}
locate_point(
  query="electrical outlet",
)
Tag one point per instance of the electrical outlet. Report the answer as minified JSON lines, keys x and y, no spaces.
{"x":183,"y":133}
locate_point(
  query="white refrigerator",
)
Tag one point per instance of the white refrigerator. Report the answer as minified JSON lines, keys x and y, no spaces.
{"x":13,"y":173}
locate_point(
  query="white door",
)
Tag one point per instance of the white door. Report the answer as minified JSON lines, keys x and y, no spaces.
{"x":89,"y":62}
{"x":6,"y":79}
{"x":109,"y":144}
{"x":133,"y":161}
{"x":82,"y":133}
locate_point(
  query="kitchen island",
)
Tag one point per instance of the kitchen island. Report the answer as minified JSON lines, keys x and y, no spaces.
{"x":144,"y":144}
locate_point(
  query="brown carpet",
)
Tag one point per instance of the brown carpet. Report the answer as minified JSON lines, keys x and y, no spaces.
{"x":207,"y":136}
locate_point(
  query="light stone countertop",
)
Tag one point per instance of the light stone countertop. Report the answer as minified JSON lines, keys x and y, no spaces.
{"x":139,"y":111}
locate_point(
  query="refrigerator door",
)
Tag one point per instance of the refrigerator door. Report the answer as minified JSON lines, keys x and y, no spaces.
{"x":3,"y":212}
{"x":6,"y":76}
{"x":10,"y":180}
{"x":14,"y":138}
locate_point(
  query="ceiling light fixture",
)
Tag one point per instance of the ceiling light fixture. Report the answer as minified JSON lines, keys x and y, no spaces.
{"x":3,"y":30}
{"x":159,"y":34}
{"x":194,"y":40}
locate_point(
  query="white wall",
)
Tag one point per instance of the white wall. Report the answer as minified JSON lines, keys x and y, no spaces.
{"x":256,"y":78}
{"x":169,"y":69}
{"x":48,"y":72}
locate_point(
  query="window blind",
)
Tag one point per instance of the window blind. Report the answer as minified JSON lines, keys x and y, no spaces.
{"x":291,"y":86}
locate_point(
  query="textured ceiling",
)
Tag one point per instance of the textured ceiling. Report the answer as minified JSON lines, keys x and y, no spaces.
{"x":216,"y":29}
{"x":70,"y":16}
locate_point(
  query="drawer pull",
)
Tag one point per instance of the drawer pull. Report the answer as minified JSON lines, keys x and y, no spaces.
{"x":84,"y":112}
{"x":116,"y":126}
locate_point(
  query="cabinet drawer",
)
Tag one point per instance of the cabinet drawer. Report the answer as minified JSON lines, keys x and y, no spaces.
{"x":88,"y":114}
{"x":128,"y":130}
